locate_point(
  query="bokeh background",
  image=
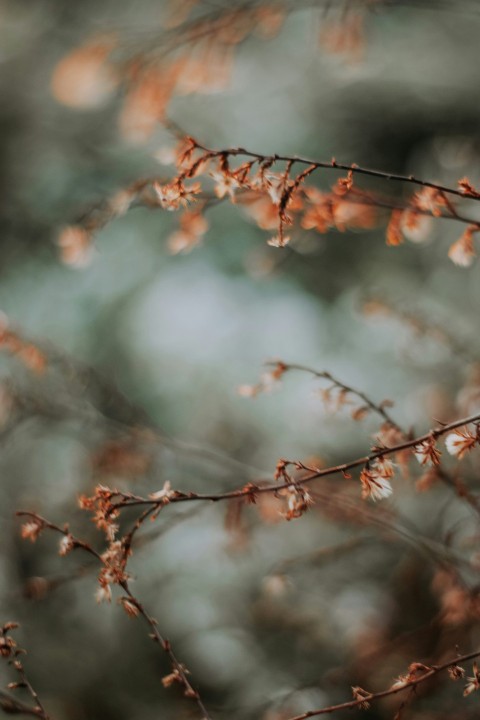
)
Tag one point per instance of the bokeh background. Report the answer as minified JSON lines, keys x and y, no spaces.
{"x":146,"y":351}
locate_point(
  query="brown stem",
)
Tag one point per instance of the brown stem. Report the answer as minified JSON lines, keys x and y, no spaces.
{"x":433,"y":670}
{"x":177,"y":667}
{"x":334,"y":165}
{"x":12,"y":706}
{"x":324,"y":375}
{"x":249,"y":491}
{"x":380,"y":410}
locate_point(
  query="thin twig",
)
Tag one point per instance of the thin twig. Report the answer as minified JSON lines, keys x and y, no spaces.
{"x":334,"y":165}
{"x":432,"y":670}
{"x":136,"y":607}
{"x":251,"y":490}
{"x":324,"y":375}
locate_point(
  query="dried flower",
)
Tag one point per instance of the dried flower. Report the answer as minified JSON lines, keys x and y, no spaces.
{"x":7,"y":646}
{"x":165,"y":494}
{"x":362,"y":695}
{"x":394,"y":228}
{"x":459,"y":442}
{"x":130,"y":607}
{"x":462,"y":252}
{"x":279,"y":241}
{"x":172,"y":678}
{"x":400,"y":682}
{"x":359,"y":413}
{"x":31,"y":530}
{"x":10,"y":626}
{"x":298,"y":501}
{"x":466,"y":187}
{"x":375,"y":480}
{"x":174,"y":195}
{"x":430,"y":200}
{"x":225,"y":184}
{"x":103,"y":593}
{"x":427,"y":453}
{"x":415,"y":226}
{"x":456,"y":672}
{"x":66,"y":545}
{"x":473,"y":683}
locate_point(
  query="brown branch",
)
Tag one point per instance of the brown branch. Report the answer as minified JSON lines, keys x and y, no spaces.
{"x":53,"y":582}
{"x":178,"y":667}
{"x":10,"y":651}
{"x":250,"y":490}
{"x":430,"y":672}
{"x":379,"y":409}
{"x":462,"y":492}
{"x":334,"y":165}
{"x":12,"y":706}
{"x":135,"y":607}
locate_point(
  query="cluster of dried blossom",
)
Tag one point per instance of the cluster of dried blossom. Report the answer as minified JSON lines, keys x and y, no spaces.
{"x":194,"y":53}
{"x":277,"y":200}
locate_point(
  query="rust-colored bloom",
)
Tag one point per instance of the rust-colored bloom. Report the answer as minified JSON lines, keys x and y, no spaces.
{"x":462,"y":252}
{"x":473,"y":683}
{"x":31,"y":530}
{"x":361,"y":695}
{"x":66,"y":544}
{"x":375,"y":482}
{"x":130,"y":607}
{"x":427,"y":453}
{"x":460,"y":441}
{"x":298,"y":501}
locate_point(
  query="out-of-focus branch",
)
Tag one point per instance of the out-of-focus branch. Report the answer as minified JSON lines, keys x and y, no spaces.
{"x":12,"y":653}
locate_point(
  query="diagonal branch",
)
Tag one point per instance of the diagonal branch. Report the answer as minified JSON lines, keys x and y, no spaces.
{"x":427,"y":672}
{"x":131,"y":604}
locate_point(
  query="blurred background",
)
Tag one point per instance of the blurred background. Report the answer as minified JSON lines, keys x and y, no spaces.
{"x":146,"y":350}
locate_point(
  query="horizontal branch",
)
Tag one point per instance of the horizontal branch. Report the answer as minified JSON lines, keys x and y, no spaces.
{"x":334,"y":165}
